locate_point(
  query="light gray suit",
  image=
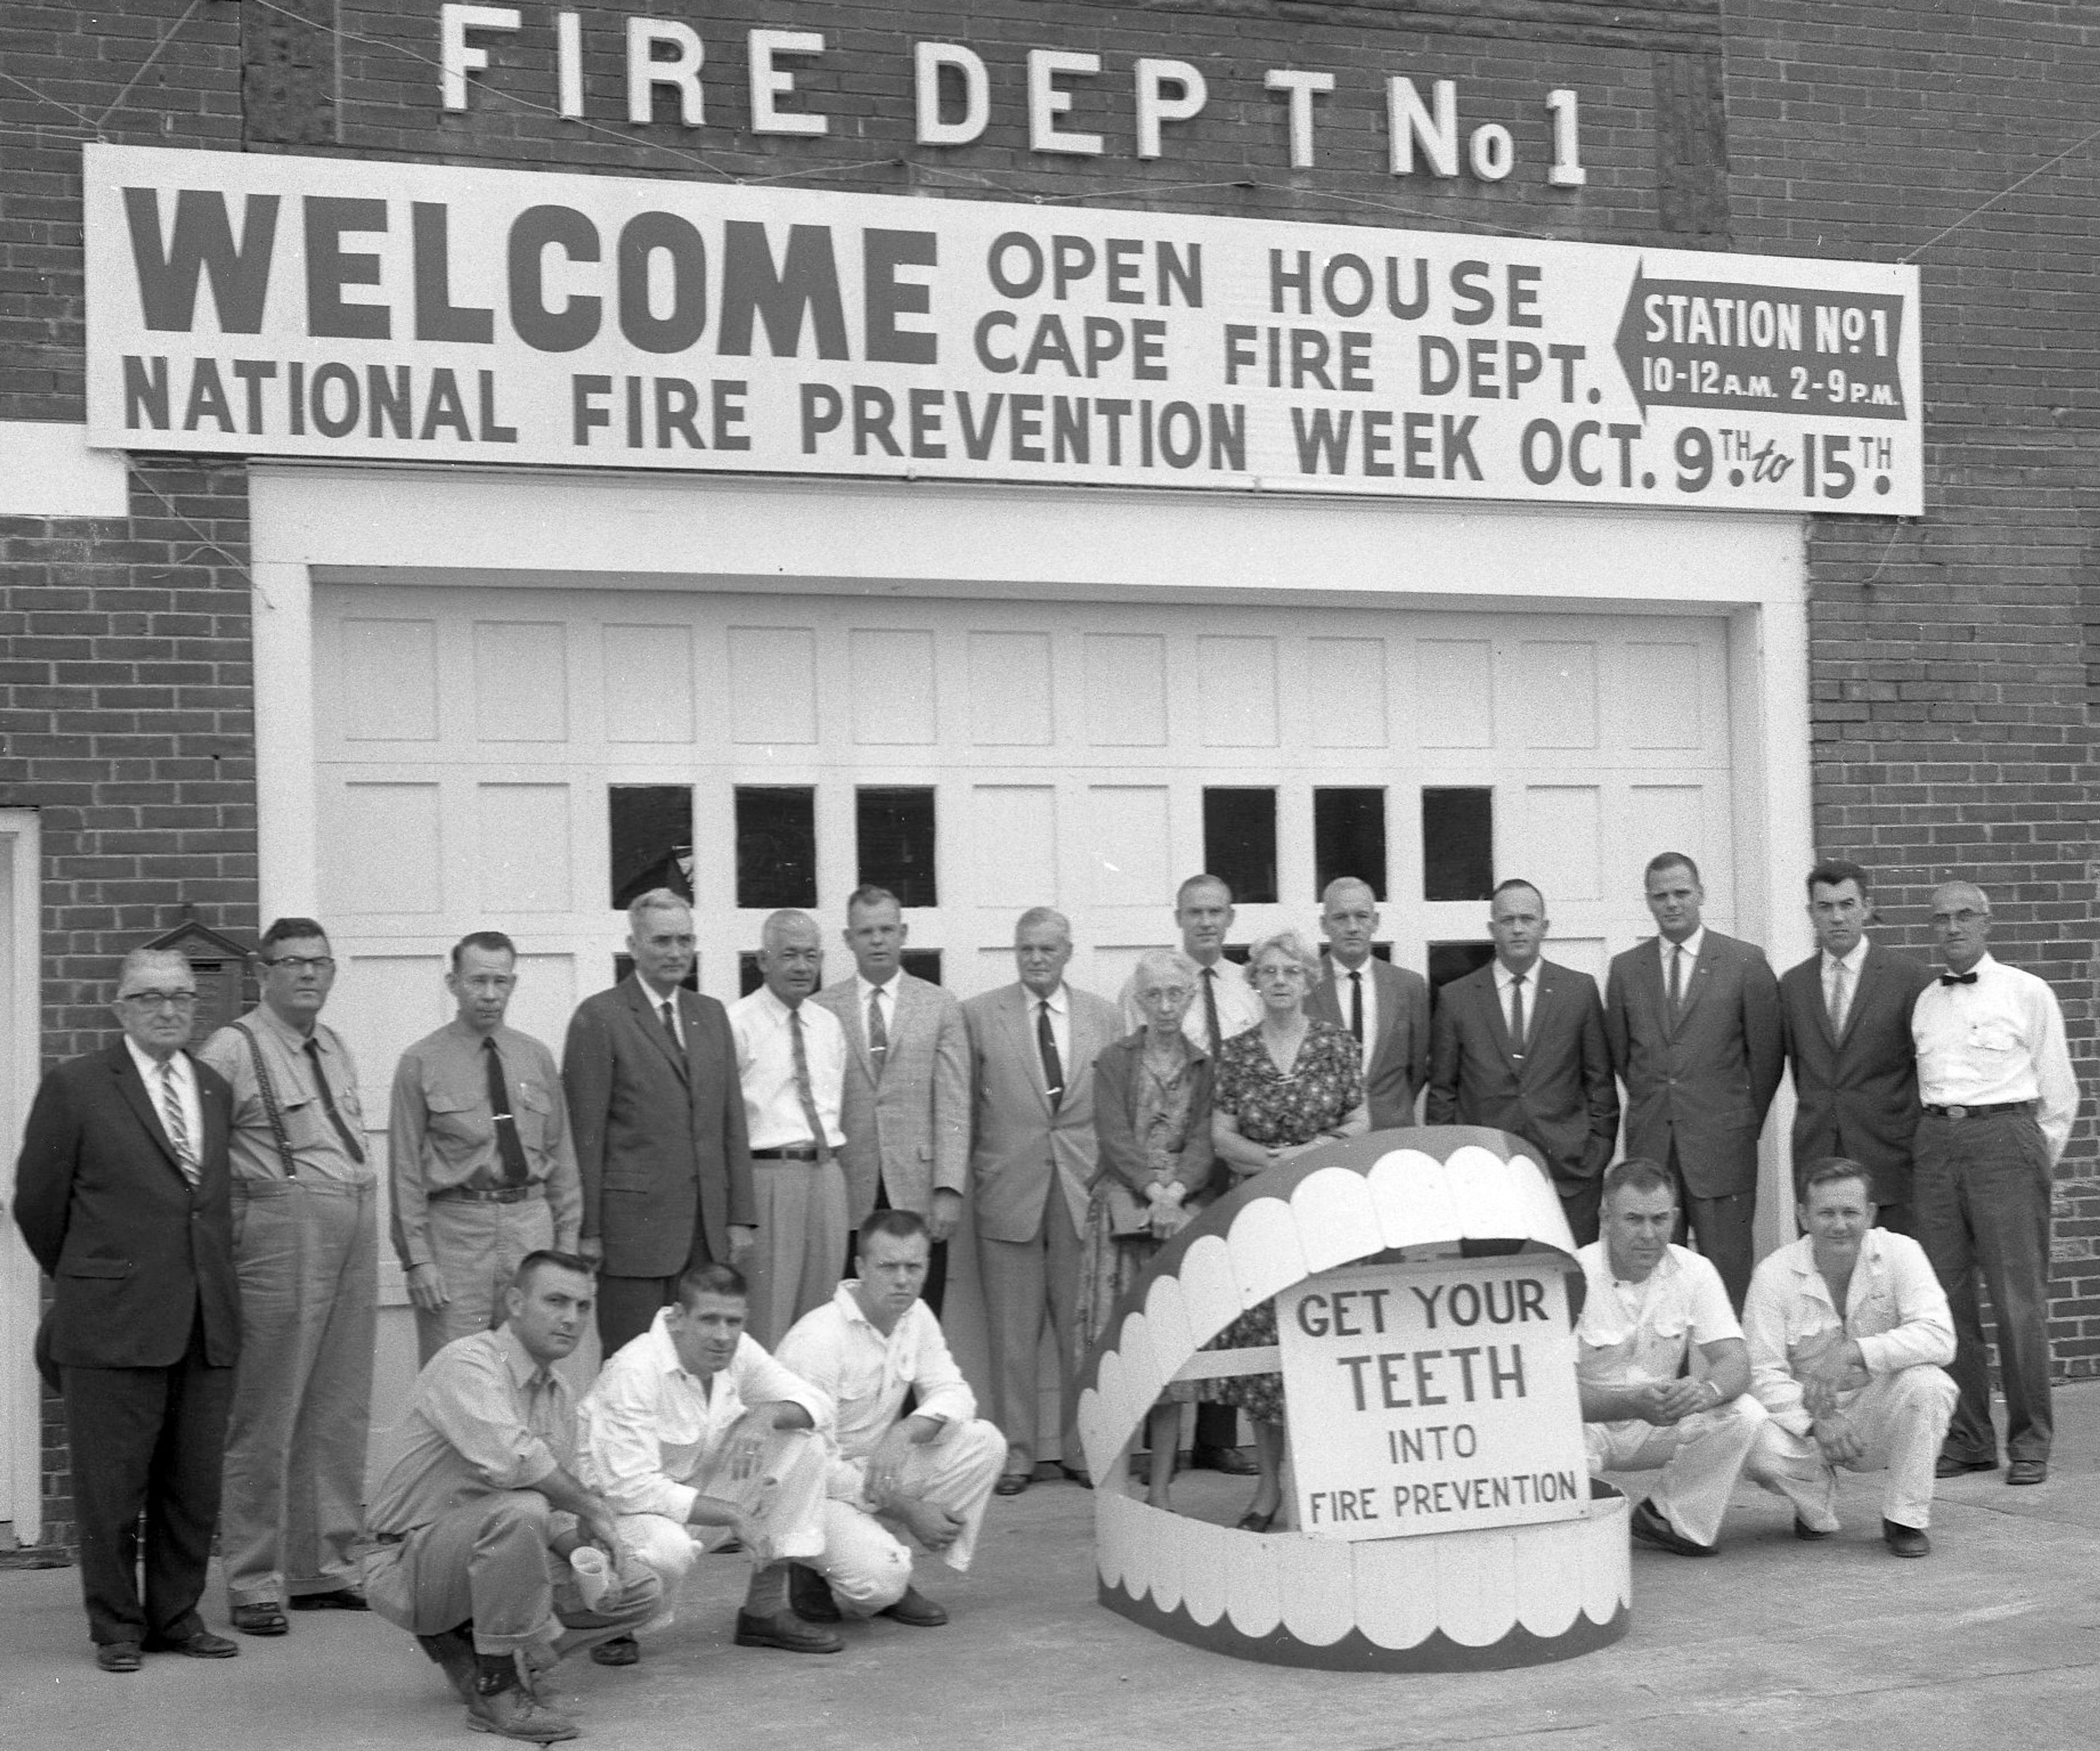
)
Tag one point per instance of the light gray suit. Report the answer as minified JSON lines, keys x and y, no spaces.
{"x":908,"y":1133}
{"x":1032,"y":1165}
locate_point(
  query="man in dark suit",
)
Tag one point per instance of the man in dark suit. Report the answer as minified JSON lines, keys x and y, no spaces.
{"x":905,"y":1109}
{"x":122,"y":1193}
{"x":1387,"y":1008}
{"x":650,"y":1071}
{"x":1032,"y":1163}
{"x":1692,"y":1018}
{"x":1848,"y":1041}
{"x":1519,"y":1046}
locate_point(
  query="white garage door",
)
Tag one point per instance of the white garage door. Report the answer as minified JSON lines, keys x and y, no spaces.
{"x":521,"y":759}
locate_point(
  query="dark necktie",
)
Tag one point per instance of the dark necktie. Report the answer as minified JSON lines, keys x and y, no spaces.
{"x":351,"y":1147}
{"x":1676,"y":977}
{"x":1053,"y":1073}
{"x":178,"y":1125}
{"x":878,"y":1035}
{"x":1957,"y":978}
{"x":1210,"y":1009}
{"x":671,"y":1025}
{"x":1357,"y":1006}
{"x":507,"y":1144}
{"x":803,"y":1090}
{"x":1516,"y":1016}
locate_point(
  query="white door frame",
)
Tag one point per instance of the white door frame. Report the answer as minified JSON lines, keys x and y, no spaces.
{"x":21,"y":1448}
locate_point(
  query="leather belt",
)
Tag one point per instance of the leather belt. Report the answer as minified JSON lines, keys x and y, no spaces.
{"x":794,"y":1152}
{"x":485,"y":1194}
{"x":1981,"y":1112}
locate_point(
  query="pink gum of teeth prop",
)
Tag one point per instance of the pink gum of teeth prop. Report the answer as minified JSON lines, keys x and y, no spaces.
{"x":1457,"y":1601}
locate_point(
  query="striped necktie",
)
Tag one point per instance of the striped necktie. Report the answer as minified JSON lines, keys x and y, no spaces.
{"x":177,"y":1123}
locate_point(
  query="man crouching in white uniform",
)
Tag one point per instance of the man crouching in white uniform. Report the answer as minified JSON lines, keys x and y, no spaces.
{"x":1648,"y":1305}
{"x":930,"y":1473}
{"x":696,"y":1436}
{"x":1850,"y":1335}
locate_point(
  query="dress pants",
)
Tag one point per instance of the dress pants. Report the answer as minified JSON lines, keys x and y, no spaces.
{"x":307,"y":1252}
{"x":1902,"y":1418}
{"x":487,"y":1561}
{"x":150,"y":1438}
{"x":1981,"y":1188}
{"x":802,"y":1233}
{"x":1724,"y":1228}
{"x":1700,"y":1458}
{"x":628,"y":1305}
{"x":866,"y":1559}
{"x":1026,"y":1282}
{"x":476,"y":1248}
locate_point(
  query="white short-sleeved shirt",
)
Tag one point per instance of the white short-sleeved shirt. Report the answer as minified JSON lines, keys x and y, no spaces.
{"x":1631,"y":1333}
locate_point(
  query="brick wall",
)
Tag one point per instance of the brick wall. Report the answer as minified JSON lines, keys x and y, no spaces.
{"x":1951,"y":703}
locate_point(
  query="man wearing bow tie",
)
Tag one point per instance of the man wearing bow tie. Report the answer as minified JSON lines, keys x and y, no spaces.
{"x":1994,"y":1075}
{"x":1847,"y":1011}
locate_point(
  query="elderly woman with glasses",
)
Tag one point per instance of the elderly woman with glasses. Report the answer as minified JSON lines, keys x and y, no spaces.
{"x":1284,"y":1086}
{"x":1152,"y":1120}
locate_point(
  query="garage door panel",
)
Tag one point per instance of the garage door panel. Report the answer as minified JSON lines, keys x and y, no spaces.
{"x":523,"y":852}
{"x":1237,"y":683}
{"x":1553,"y":688}
{"x":772,"y":685}
{"x":520,"y":680}
{"x":1345,"y":691}
{"x":1012,"y":689}
{"x":1454,"y":693}
{"x":1126,"y":832}
{"x":1125,"y":690}
{"x":895,"y":694}
{"x":386,"y":847}
{"x":1560,"y":828}
{"x":646,"y":683}
{"x":1010,"y":854}
{"x":387,"y":689}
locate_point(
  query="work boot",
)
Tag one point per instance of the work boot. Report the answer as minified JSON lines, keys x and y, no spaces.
{"x":501,"y":1705}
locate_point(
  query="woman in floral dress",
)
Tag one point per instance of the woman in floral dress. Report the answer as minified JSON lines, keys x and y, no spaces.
{"x":1284,"y":1086}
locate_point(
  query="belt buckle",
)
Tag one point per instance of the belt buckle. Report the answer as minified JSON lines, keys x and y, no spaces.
{"x":1957,"y":1112}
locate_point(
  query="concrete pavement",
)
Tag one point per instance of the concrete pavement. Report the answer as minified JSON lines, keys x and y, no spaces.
{"x":1990,"y":1641}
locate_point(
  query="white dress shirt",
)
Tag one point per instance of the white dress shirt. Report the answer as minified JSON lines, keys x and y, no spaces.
{"x":656,"y":1000}
{"x":647,"y":1429}
{"x":1061,"y":1024}
{"x":865,"y":1375}
{"x":1689,"y":948}
{"x":183,"y":1074}
{"x":765,"y":1067}
{"x":1853,"y":963}
{"x":1631,"y":1334}
{"x":864,"y":994}
{"x":1996,"y":1041}
{"x":1895,"y":1310}
{"x":1505,"y":979}
{"x":1343,"y":991}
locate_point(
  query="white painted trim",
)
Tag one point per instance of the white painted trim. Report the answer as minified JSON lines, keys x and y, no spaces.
{"x":287,"y":837}
{"x":21,"y":1458}
{"x":46,"y":469}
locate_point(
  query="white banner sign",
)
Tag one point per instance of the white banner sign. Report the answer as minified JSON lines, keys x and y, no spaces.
{"x":256,"y":304}
{"x":1432,"y":1398}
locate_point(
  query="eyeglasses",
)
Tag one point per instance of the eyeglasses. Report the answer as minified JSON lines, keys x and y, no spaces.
{"x":1964,"y":917}
{"x":159,"y":999}
{"x":301,"y":963}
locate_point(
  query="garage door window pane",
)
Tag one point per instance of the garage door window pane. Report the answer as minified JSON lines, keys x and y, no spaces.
{"x":1348,"y":837}
{"x":1455,"y":960}
{"x":1239,"y":842}
{"x":776,"y":846}
{"x":1457,"y":844}
{"x":651,"y":839}
{"x":895,"y":834}
{"x":923,"y":963}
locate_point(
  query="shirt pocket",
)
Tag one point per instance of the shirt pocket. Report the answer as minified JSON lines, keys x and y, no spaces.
{"x":1993,"y":1034}
{"x":307,"y":1125}
{"x":458,"y":1128}
{"x":534,"y":1116}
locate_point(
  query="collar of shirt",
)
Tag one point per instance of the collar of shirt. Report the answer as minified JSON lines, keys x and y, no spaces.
{"x":1985,"y":966}
{"x":1691,"y":945}
{"x":1058,"y":1000}
{"x":262,"y":1016}
{"x":1504,"y":978}
{"x":502,"y":1033}
{"x":149,"y":1069}
{"x":1851,"y":963}
{"x":863,"y":990}
{"x":524,"y":1371}
{"x":1800,"y":1256}
{"x":766,"y":1003}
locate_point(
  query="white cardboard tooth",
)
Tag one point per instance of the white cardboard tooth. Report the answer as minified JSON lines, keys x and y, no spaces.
{"x":1337,"y":1221}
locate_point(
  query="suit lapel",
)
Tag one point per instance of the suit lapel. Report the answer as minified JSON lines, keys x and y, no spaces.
{"x":1019,"y":1003}
{"x":1702,"y":976}
{"x":1488,"y":994}
{"x":140,"y":1100}
{"x":1543,"y":1002}
{"x":1870,"y":970}
{"x":651,"y":1020}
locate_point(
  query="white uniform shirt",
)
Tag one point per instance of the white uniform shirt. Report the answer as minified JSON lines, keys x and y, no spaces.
{"x":865,"y":1375}
{"x":1631,"y":1334}
{"x":1998,"y":1040}
{"x":765,"y":1067}
{"x":1894,"y":1308}
{"x":647,"y":1429}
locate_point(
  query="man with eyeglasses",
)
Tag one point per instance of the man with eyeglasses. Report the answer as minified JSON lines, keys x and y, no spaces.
{"x":305,"y":1238}
{"x":480,"y":1160}
{"x":122,"y":1193}
{"x":1995,"y":1079}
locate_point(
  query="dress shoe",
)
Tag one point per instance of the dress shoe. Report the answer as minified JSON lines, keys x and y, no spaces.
{"x":1076,"y":1474}
{"x":1905,"y":1541}
{"x":916,"y":1610}
{"x":261,"y":1618}
{"x":784,"y":1630}
{"x":1011,"y":1484}
{"x":1649,"y":1526}
{"x":200,"y":1644}
{"x":336,"y":1598}
{"x":621,"y":1651}
{"x":117,"y":1657}
{"x":453,"y":1651}
{"x":1229,"y":1460}
{"x":512,"y":1713}
{"x":2027,"y":1471}
{"x":1948,"y":1465}
{"x":1809,"y":1534}
{"x":810,"y":1595}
